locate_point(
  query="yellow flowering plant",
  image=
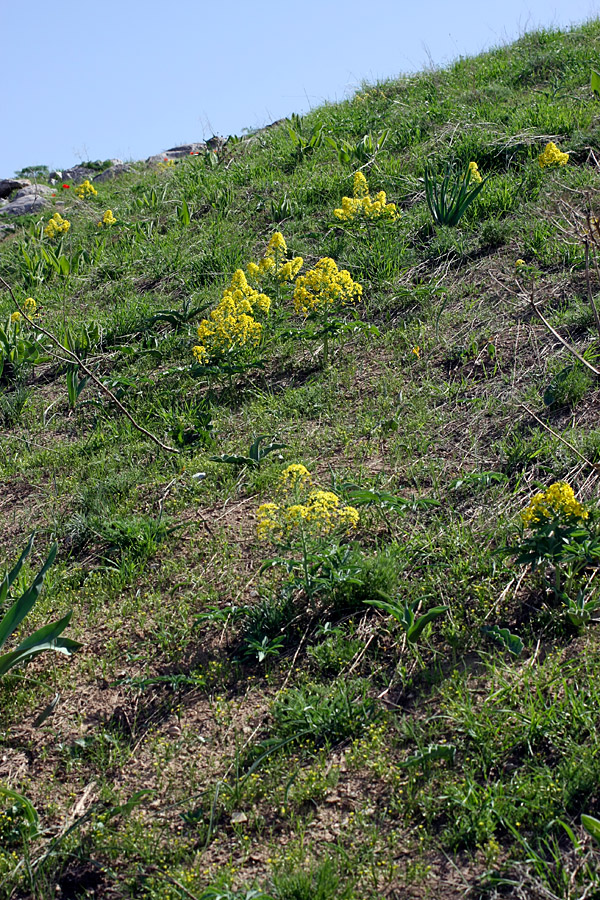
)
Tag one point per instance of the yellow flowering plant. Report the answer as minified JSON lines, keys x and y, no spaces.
{"x":56,"y":226}
{"x":18,"y":345}
{"x":85,"y":190}
{"x":234,"y":332}
{"x":362,"y":206}
{"x":107,"y":219}
{"x":312,"y":521}
{"x":554,"y":530}
{"x":231,"y":335}
{"x":322,"y":292}
{"x":552,"y":156}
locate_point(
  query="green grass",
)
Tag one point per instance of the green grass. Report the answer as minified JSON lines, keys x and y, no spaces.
{"x":314,"y":770}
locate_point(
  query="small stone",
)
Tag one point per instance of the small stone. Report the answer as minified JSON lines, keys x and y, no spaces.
{"x":238,"y":818}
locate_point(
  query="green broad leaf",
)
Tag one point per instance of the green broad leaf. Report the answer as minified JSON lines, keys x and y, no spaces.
{"x":26,"y":602}
{"x":47,"y":711}
{"x":480,"y":479}
{"x":595,"y":82}
{"x":126,"y":808}
{"x":20,"y":656}
{"x":28,"y":809}
{"x":235,"y":460}
{"x":10,"y":577}
{"x":590,"y":823}
{"x":512,"y":642}
{"x":183,"y":213}
{"x":433,"y":752}
{"x":276,"y":561}
{"x":47,"y":634}
{"x":416,"y":629}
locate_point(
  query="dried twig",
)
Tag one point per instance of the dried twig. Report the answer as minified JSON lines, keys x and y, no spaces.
{"x":73,"y":358}
{"x":563,"y":440}
{"x":559,"y":337}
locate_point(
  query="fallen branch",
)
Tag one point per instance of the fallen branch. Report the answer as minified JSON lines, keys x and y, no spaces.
{"x":555,"y":434}
{"x":559,"y":337}
{"x":73,"y":358}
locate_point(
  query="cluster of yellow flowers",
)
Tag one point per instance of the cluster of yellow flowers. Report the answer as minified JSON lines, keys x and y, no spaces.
{"x":320,"y":513}
{"x":552,"y":156}
{"x":232,"y":325}
{"x":556,"y":502}
{"x":57,"y":225}
{"x":86,"y":189}
{"x":107,"y":219}
{"x":363,"y":204}
{"x":325,"y":286}
{"x":29,"y":308}
{"x":275,"y":261}
{"x":474,"y":173}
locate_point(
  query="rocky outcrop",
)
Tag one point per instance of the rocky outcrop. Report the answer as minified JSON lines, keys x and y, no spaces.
{"x":77,"y":174}
{"x":29,"y":199}
{"x":113,"y":172}
{"x":178,"y":152}
{"x":8,"y":185}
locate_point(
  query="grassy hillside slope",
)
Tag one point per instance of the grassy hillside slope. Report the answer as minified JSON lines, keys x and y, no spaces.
{"x":258,"y":708}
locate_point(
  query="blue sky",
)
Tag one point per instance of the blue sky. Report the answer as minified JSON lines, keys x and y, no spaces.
{"x":126,"y":78}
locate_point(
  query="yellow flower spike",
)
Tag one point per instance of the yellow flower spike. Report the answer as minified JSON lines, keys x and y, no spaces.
{"x":107,"y":219}
{"x":324,"y":286}
{"x":362,"y":202}
{"x":56,"y":226}
{"x":289,"y":270}
{"x":474,"y":173}
{"x":86,"y":189}
{"x":556,"y":502}
{"x":519,"y":263}
{"x":295,"y":475}
{"x":360,"y":187}
{"x":552,"y":156}
{"x":265,"y":265}
{"x":276,"y":245}
{"x":16,"y":317}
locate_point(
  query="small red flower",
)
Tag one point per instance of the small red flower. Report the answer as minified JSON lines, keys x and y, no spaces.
{"x":54,"y":195}
{"x":66,"y":186}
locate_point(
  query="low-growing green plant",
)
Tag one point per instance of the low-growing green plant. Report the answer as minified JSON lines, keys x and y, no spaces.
{"x":282,"y":209}
{"x":568,"y":386}
{"x":265,"y":649}
{"x":178,"y":318}
{"x":75,"y":384}
{"x":46,"y":638}
{"x":257,"y":453}
{"x":363,"y":151}
{"x":554,"y":532}
{"x":19,"y":347}
{"x":12,"y":404}
{"x":326,"y":714}
{"x":503,"y":637}
{"x":405,"y":613}
{"x":304,"y":144}
{"x":448,"y":199}
{"x":579,"y":610}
